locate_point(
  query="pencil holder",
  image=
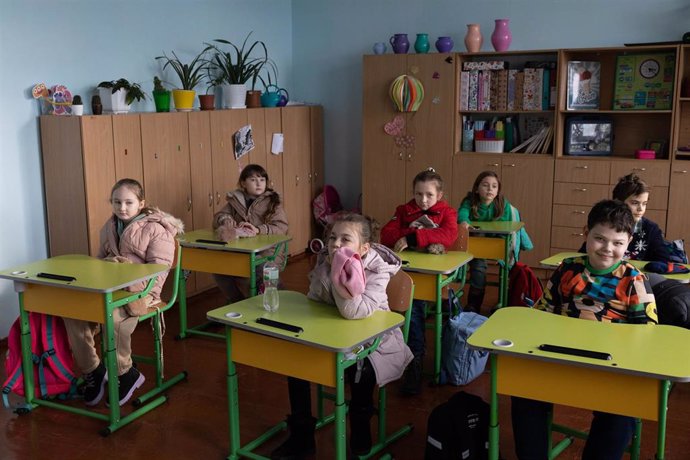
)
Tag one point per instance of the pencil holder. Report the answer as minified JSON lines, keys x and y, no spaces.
{"x":489,"y":145}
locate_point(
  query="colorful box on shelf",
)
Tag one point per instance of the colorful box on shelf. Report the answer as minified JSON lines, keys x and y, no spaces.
{"x":643,"y":154}
{"x":489,"y":145}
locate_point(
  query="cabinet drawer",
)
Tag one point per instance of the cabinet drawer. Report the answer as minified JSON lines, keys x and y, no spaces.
{"x":569,"y":238}
{"x":570,"y":216}
{"x":654,"y":172}
{"x":588,"y":171}
{"x":579,"y":193}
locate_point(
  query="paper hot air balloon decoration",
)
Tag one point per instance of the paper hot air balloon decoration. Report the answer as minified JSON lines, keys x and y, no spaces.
{"x":407,"y":93}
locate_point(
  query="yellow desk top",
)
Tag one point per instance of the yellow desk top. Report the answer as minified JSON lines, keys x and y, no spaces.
{"x":92,"y":274}
{"x":323,"y":326}
{"x":421,"y":262}
{"x":254,"y":244}
{"x":645,"y":350}
{"x":556,"y":259}
{"x":496,"y":227}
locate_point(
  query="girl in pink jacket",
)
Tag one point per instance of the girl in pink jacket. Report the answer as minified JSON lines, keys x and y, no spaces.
{"x":134,"y":234}
{"x":351,"y":274}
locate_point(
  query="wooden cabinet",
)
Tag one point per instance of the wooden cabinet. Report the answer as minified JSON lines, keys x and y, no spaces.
{"x":425,"y":138}
{"x":185,"y":162}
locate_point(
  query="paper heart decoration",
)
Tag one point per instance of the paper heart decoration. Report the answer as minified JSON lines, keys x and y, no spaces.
{"x":395,"y":127}
{"x":405,"y":141}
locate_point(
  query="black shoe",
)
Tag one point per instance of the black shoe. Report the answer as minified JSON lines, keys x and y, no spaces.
{"x":94,"y":387}
{"x":301,"y":441}
{"x":360,"y":428}
{"x":128,"y":382}
{"x":412,"y":378}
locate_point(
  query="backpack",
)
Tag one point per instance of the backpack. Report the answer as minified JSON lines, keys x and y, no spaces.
{"x":460,"y":364}
{"x":524,"y":288}
{"x":326,"y":205}
{"x":672,"y":301}
{"x":458,"y":429}
{"x":51,"y":355}
{"x":676,"y":251}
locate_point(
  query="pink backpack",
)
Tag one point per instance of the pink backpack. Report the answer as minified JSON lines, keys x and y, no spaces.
{"x":326,"y":205}
{"x":51,"y":354}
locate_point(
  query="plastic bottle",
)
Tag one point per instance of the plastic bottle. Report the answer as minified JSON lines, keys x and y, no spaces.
{"x":271,"y":275}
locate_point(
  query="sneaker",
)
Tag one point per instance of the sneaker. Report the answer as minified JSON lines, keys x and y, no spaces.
{"x":94,"y":387}
{"x":412,"y":379}
{"x":128,"y":382}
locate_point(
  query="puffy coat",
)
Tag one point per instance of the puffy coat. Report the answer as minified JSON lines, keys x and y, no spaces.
{"x":441,"y":214}
{"x":149,"y":240}
{"x":236,"y":210}
{"x":380,"y":264}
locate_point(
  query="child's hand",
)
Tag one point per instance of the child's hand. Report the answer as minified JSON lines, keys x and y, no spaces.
{"x":249,"y":228}
{"x":465,"y":225}
{"x":226,"y":233}
{"x":118,"y":260}
{"x":416,"y":224}
{"x":400,"y":245}
{"x":347,"y":273}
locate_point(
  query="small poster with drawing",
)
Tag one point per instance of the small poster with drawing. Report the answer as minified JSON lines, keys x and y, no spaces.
{"x":584,"y":79}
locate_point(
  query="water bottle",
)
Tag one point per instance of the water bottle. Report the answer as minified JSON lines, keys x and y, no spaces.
{"x":271,"y":273}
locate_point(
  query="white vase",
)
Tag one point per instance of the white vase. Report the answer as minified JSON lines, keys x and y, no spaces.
{"x":113,"y":102}
{"x":234,"y":96}
{"x":78,"y":110}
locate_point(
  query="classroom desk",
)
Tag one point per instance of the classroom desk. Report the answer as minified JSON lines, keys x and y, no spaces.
{"x":556,"y":259}
{"x":430,"y":274}
{"x":635,"y":382}
{"x":92,"y":296}
{"x":235,"y":258}
{"x":326,"y":344}
{"x":493,"y":240}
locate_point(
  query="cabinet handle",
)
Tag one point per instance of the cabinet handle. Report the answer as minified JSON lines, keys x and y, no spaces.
{"x":210,"y":199}
{"x":582,"y":167}
{"x":189,"y":203}
{"x":309,"y":178}
{"x":201,"y":145}
{"x":409,"y":157}
{"x":155,"y":156}
{"x":125,"y":152}
{"x":578,"y":212}
{"x":296,"y":180}
{"x":682,"y":171}
{"x":217,"y":198}
{"x":639,"y":169}
{"x":580,"y":189}
{"x":577,"y":234}
{"x":400,"y":156}
{"x":511,"y":165}
{"x":495,"y":165}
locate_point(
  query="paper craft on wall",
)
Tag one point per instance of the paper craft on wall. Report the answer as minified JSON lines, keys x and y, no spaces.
{"x":407,"y":93}
{"x":57,"y":99}
{"x":277,"y":144}
{"x":244,"y":142}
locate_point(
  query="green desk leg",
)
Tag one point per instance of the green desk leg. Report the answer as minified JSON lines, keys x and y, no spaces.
{"x":252,"y":274}
{"x":664,"y":389}
{"x":493,"y":414}
{"x":438,"y":323}
{"x":233,"y":398}
{"x":182,"y":303}
{"x":27,"y":361}
{"x":340,"y":407}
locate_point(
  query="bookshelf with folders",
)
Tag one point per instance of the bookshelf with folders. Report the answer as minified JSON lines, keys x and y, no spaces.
{"x":506,"y":102}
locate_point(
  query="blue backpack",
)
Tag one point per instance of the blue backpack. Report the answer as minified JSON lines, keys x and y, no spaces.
{"x":460,"y":364}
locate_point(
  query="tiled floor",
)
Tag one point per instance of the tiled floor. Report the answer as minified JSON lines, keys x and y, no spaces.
{"x":193,"y":423}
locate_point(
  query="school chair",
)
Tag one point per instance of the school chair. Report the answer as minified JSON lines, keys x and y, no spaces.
{"x":400,"y":293}
{"x":155,"y":314}
{"x":571,"y":434}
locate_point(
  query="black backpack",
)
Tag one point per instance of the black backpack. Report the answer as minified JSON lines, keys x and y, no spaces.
{"x":458,"y":429}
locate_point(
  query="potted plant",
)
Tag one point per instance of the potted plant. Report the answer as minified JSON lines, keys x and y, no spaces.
{"x":161,"y":96}
{"x":236,"y":67}
{"x":117,"y":96}
{"x":208,"y":101}
{"x":77,"y":105}
{"x":190,"y":76}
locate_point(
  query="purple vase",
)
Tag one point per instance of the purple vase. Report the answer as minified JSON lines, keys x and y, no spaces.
{"x":444,"y":44}
{"x":400,"y":43}
{"x":502,"y":36}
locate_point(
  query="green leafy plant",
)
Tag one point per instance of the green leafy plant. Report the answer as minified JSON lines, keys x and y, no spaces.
{"x":191,"y":74}
{"x":76,"y":100}
{"x":133,"y":89}
{"x":237,"y":66}
{"x":270,"y":69}
{"x":158,"y":85}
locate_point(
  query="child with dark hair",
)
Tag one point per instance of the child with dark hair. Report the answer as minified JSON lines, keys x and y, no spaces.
{"x":598,"y":287}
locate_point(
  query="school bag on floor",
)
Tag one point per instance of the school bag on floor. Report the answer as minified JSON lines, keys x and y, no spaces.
{"x":326,"y":205}
{"x":52,"y":359}
{"x":460,"y":364}
{"x":524,"y":288}
{"x":458,"y":429}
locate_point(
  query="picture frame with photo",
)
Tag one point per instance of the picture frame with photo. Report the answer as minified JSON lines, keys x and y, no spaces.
{"x":658,"y":145}
{"x":584,"y":80}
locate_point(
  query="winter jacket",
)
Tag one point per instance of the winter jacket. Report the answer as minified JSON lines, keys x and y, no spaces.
{"x":149,"y":240}
{"x":236,"y":212}
{"x":441,"y":214}
{"x":380,"y":264}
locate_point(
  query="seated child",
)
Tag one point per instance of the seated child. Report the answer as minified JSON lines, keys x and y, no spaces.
{"x":357,"y":295}
{"x":253,"y":209}
{"x":596,"y":287}
{"x":426,"y":222}
{"x":133,"y":234}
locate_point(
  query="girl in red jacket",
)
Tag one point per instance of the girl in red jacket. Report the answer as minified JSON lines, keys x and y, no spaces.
{"x":427,"y":223}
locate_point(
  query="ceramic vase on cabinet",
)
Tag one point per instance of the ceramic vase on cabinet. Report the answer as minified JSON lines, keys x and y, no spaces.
{"x":400,"y":43}
{"x":473,"y":38}
{"x":379,"y":48}
{"x":502,"y":36}
{"x":444,"y":44}
{"x":421,"y":45}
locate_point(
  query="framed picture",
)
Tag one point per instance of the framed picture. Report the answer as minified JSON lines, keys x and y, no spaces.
{"x":589,"y":136}
{"x":583,"y":85}
{"x":658,"y":145}
{"x":644,"y":81}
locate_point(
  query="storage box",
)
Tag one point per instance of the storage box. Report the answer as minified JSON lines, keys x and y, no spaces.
{"x":643,"y":154}
{"x":489,"y":145}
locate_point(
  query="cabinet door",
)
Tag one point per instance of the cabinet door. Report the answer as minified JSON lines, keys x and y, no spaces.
{"x":226,"y":169}
{"x":431,"y":125}
{"x":167,"y":179}
{"x":255,"y":118}
{"x":586,"y":171}
{"x":296,"y":169}
{"x":678,"y":218}
{"x":466,"y":168}
{"x":127,"y":147}
{"x":528,"y":184}
{"x":653,"y":172}
{"x":317,"y":159}
{"x":274,"y":162}
{"x":383,"y":163}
